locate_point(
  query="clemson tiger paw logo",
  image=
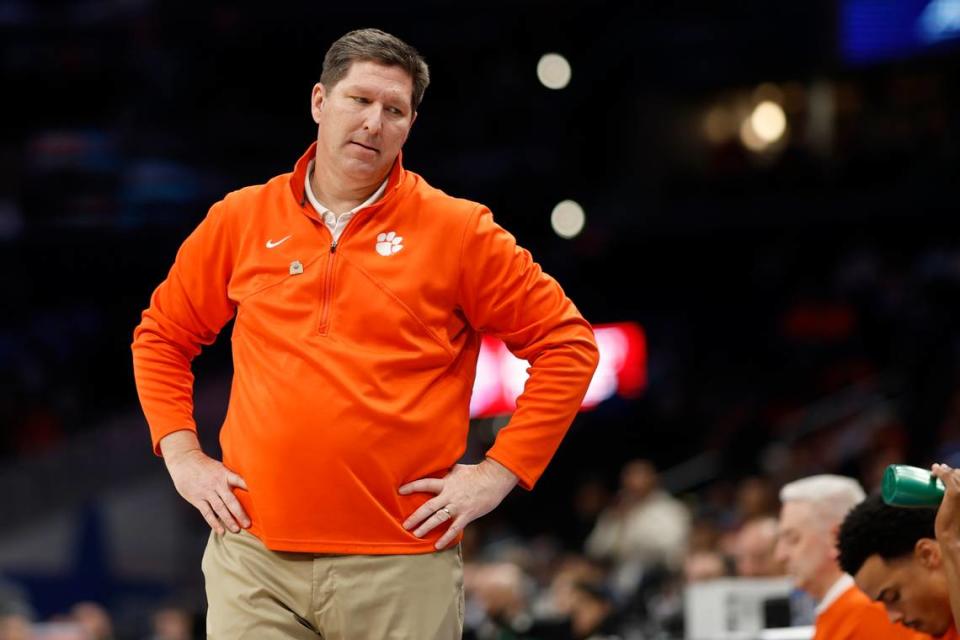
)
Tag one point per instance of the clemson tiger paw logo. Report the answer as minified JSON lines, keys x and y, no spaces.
{"x":389,"y":243}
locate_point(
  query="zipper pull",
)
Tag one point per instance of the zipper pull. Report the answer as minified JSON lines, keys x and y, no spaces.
{"x":333,"y":247}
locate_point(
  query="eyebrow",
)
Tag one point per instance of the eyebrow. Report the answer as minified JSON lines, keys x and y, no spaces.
{"x":367,"y":88}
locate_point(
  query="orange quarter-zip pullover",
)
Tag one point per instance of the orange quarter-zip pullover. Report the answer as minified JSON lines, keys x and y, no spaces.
{"x":354,"y":360}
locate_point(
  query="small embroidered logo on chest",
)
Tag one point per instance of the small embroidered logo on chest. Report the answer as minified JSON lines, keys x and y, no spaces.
{"x":389,"y":243}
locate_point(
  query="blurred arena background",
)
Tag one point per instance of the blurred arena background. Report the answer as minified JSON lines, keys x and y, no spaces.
{"x":767,"y":189}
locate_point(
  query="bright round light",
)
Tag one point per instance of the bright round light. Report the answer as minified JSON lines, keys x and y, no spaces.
{"x":749,"y":137}
{"x":554,"y":71}
{"x":567,"y":219}
{"x":768,"y":121}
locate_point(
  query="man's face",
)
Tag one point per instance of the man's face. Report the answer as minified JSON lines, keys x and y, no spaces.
{"x":753,"y":550}
{"x":805,"y":545}
{"x":363,"y":121}
{"x":638,"y":479}
{"x":912,"y":588}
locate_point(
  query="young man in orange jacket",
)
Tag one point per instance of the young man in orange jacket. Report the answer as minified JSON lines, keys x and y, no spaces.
{"x":812,"y":510}
{"x":360,"y":293}
{"x":903,"y":558}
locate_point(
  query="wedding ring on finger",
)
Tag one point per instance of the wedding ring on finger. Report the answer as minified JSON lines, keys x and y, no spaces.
{"x":445,"y":510}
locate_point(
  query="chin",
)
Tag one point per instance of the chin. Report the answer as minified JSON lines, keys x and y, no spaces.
{"x":799,"y":582}
{"x":363,"y":168}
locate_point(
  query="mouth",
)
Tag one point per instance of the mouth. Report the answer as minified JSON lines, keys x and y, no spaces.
{"x":365,"y":146}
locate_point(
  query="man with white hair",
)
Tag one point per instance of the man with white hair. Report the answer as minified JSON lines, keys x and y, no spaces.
{"x":810,"y":517}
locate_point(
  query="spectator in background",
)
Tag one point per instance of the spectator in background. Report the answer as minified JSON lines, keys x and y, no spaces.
{"x":700,"y":566}
{"x":705,"y":534}
{"x":753,"y":549}
{"x":593,"y":615}
{"x":645,"y":528}
{"x":171,"y":623}
{"x":497,"y":594}
{"x":15,"y":626}
{"x":558,"y":600}
{"x":589,"y":500}
{"x":93,"y":619}
{"x":756,"y":498}
{"x":812,"y":511}
{"x":500,"y":604}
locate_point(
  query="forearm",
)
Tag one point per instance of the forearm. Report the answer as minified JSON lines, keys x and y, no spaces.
{"x":551,"y":399}
{"x":186,"y":312}
{"x":506,"y":294}
{"x":950,"y":552}
{"x":164,"y":381}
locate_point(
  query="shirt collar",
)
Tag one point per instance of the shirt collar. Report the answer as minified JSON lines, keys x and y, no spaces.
{"x":839,"y":587}
{"x":395,"y":180}
{"x":323,"y":210}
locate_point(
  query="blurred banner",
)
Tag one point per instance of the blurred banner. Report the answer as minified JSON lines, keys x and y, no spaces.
{"x":622,"y":371}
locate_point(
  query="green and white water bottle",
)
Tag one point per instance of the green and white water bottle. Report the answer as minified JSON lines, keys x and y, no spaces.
{"x":906,"y":486}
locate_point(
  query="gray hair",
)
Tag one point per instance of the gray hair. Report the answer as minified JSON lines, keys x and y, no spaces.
{"x":373,"y":45}
{"x":831,"y":496}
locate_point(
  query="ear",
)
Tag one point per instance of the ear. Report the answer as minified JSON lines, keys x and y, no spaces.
{"x":317,"y":96}
{"x":927,"y":553}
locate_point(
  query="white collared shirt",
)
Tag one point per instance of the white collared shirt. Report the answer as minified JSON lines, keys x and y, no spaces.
{"x":839,"y":587}
{"x":336,"y":223}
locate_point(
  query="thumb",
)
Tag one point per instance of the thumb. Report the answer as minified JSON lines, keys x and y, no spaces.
{"x":236,"y":481}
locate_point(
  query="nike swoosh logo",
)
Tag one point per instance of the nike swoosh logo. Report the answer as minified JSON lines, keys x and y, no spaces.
{"x":271,"y":244}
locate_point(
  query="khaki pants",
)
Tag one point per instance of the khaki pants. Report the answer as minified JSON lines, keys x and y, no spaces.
{"x":256,"y":593}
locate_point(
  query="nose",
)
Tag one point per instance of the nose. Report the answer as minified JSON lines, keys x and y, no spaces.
{"x":779,"y":555}
{"x":373,"y":119}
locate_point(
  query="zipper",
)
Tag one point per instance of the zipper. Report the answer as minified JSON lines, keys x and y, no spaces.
{"x":327,"y":292}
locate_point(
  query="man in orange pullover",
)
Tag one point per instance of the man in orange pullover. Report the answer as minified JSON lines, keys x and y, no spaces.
{"x":360,"y":294}
{"x":898,"y":557}
{"x":812,"y":510}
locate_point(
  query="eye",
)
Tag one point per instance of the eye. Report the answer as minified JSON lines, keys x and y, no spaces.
{"x":395,"y":111}
{"x":359,"y":99}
